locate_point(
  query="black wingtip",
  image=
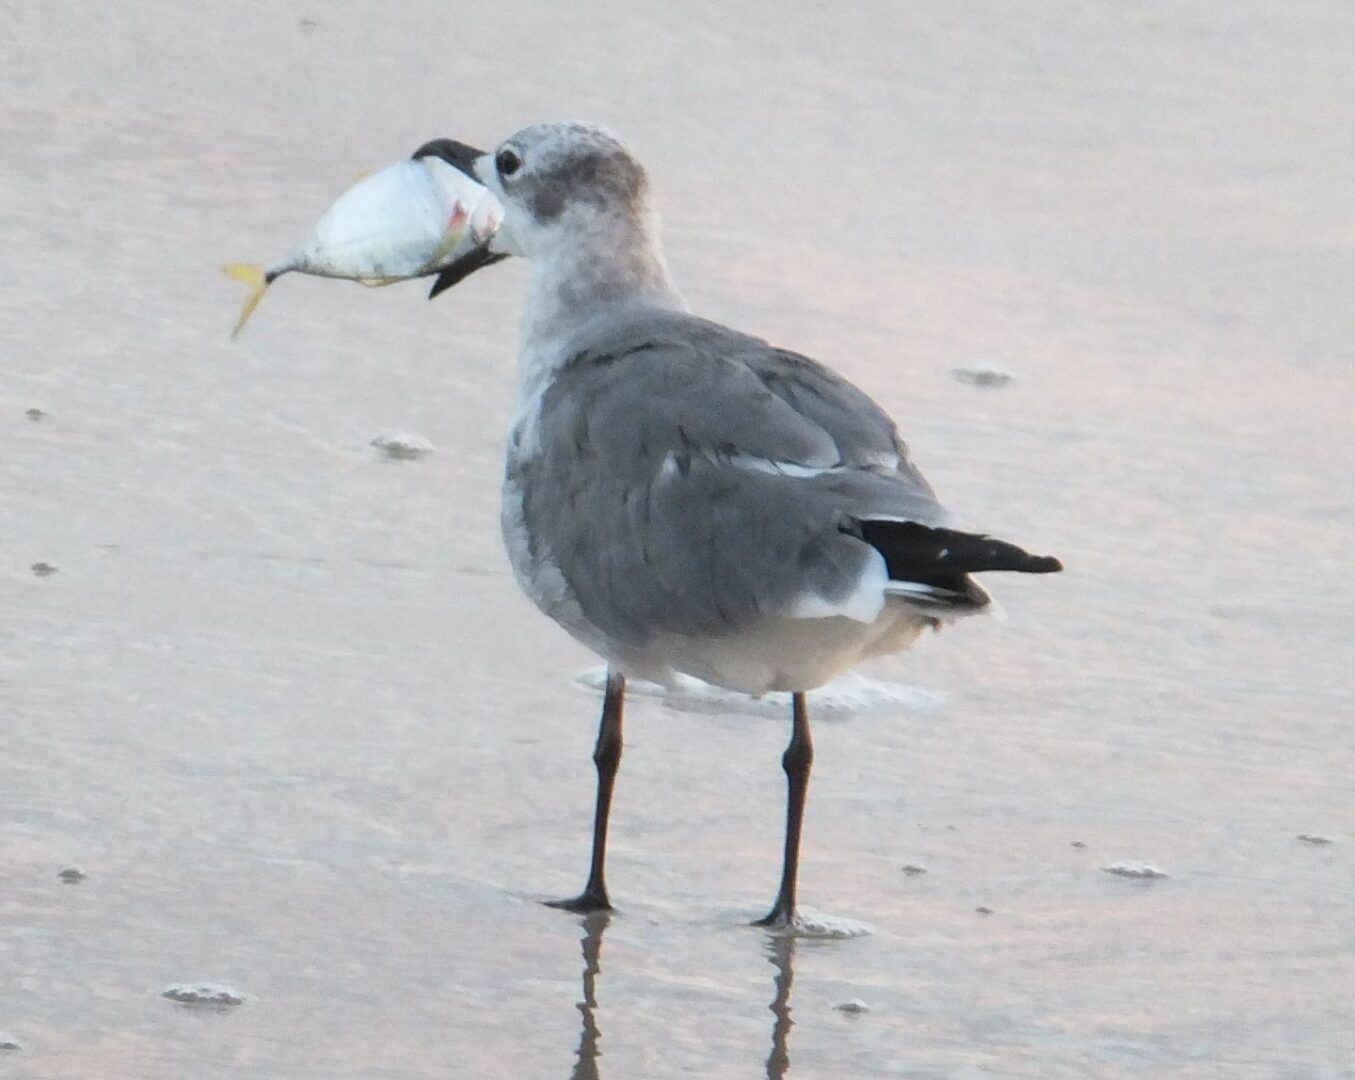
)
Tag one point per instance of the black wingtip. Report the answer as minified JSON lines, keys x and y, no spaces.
{"x":916,"y":552}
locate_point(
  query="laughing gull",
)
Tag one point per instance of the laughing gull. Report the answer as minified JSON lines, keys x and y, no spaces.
{"x":685,"y":499}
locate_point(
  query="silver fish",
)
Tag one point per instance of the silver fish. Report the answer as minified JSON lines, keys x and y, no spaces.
{"x":417,"y":217}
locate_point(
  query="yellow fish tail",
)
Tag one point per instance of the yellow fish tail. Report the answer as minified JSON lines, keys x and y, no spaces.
{"x":253,"y":276}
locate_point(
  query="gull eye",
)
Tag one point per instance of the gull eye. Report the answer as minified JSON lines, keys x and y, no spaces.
{"x":507,"y":162}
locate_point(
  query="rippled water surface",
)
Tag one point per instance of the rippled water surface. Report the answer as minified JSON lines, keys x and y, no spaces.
{"x":275,"y":693}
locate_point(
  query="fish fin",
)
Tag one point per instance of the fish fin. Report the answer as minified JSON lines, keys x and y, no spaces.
{"x":379,"y":282}
{"x":254,"y":277}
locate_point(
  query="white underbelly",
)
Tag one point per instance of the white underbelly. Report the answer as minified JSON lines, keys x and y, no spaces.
{"x":777,"y":654}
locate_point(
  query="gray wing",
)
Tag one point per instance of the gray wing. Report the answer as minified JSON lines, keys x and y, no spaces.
{"x":694,"y":480}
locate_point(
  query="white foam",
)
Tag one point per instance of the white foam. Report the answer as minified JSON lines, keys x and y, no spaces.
{"x":1139,"y":871}
{"x":820,"y":926}
{"x":983,"y":373}
{"x":847,"y":695}
{"x":402,"y":444}
{"x":203,"y":994}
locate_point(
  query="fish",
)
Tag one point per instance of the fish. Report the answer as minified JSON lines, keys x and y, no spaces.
{"x":425,"y":215}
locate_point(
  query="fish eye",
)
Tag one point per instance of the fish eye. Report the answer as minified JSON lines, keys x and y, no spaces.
{"x":507,"y":162}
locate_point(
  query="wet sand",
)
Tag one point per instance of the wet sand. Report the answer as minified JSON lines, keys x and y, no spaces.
{"x":276,"y":694}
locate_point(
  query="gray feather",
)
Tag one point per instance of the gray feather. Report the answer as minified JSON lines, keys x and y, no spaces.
{"x":654,"y":464}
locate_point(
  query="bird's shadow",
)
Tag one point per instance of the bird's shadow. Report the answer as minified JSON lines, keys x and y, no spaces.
{"x":780,"y":951}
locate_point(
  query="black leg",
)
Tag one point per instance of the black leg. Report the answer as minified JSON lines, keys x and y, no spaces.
{"x":797,"y":759}
{"x":606,"y":756}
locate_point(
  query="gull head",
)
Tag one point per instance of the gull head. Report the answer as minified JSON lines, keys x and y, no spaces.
{"x":576,"y":206}
{"x":565,"y":184}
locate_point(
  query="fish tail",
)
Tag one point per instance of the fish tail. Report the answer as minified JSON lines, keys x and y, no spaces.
{"x":258,"y":283}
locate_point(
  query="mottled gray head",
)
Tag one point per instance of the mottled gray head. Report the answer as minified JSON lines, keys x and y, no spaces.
{"x":575,"y":201}
{"x":556,"y":178}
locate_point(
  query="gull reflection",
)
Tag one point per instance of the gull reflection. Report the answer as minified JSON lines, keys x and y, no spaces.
{"x":781,"y":953}
{"x":586,"y":1065}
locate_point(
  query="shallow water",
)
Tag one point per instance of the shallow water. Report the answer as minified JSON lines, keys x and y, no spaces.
{"x":278,"y":698}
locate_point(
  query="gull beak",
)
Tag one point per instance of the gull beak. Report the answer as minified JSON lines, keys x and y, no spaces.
{"x":465,"y":266}
{"x":462,"y":157}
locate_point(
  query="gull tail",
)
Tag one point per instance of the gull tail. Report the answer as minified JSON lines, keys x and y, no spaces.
{"x":930,"y":567}
{"x":258,"y":283}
